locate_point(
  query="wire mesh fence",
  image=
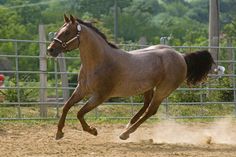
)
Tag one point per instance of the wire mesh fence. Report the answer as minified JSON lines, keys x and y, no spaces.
{"x":20,"y":95}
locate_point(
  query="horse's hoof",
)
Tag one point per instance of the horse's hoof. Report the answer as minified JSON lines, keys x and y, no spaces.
{"x":59,"y":135}
{"x":93,"y":131}
{"x":124,"y":136}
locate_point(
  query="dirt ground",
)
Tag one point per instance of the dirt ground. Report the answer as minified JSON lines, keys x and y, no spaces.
{"x":165,"y":139}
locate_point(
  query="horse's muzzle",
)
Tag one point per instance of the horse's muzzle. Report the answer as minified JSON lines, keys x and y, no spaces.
{"x":53,"y":52}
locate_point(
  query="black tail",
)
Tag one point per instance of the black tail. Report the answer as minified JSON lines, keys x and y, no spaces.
{"x":198,"y":66}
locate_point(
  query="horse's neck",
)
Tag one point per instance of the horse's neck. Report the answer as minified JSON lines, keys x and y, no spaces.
{"x":93,"y":52}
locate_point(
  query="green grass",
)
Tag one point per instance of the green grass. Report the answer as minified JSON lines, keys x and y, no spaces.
{"x":121,"y":113}
{"x":205,"y":110}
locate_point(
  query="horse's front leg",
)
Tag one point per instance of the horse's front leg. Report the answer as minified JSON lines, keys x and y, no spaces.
{"x":75,"y":97}
{"x":92,"y":103}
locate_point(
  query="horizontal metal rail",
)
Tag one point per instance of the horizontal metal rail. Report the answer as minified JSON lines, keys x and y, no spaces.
{"x":38,"y":72}
{"x":117,"y":103}
{"x":178,"y":89}
{"x":126,"y":45}
{"x":38,"y":57}
{"x":56,"y":102}
{"x":23,"y":41}
{"x":125,"y":118}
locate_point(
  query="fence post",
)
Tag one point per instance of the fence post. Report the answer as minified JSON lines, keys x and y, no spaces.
{"x":167,"y":108}
{"x":64,"y":78}
{"x":234,"y":80}
{"x":164,"y":41}
{"x":214,"y":29}
{"x":230,"y":55}
{"x":17,"y":80}
{"x":43,"y":70}
{"x":56,"y":87}
{"x":132,"y":103}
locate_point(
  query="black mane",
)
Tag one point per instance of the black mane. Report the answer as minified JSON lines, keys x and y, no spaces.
{"x":88,"y":24}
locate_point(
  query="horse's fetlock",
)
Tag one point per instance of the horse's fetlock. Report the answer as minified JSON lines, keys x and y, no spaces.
{"x":60,"y":126}
{"x":85,"y":129}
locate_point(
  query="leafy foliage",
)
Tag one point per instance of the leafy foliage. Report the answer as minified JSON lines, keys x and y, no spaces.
{"x":185,"y":20}
{"x":25,"y":94}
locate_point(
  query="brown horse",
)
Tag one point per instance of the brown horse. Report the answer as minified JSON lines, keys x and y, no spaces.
{"x":107,"y":71}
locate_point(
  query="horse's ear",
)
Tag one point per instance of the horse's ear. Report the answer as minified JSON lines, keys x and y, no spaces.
{"x":72,"y":19}
{"x":66,"y":19}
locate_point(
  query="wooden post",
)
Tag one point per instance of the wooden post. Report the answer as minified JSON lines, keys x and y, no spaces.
{"x":214,"y":28}
{"x":115,"y":21}
{"x":143,"y":42}
{"x":230,"y":55}
{"x":43,"y":69}
{"x":64,"y":77}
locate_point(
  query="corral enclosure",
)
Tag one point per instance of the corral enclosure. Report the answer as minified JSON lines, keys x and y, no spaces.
{"x":25,"y":86}
{"x":36,"y":85}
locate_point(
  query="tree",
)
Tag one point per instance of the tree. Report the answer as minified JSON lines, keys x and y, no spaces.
{"x":10,"y":25}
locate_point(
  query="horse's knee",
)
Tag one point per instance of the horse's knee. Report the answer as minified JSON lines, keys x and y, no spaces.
{"x":80,"y":115}
{"x":65,"y":109}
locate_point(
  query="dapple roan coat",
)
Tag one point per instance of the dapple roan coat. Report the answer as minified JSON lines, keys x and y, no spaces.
{"x":108,"y":71}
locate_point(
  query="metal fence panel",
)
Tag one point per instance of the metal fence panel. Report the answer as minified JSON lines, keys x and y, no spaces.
{"x":215,"y":98}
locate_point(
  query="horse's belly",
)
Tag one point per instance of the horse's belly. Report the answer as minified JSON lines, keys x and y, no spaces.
{"x":129,"y":89}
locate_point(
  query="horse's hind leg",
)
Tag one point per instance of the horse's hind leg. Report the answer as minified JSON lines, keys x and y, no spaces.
{"x":151,"y":110}
{"x":92,"y":103}
{"x":147,"y":99}
{"x":75,"y":97}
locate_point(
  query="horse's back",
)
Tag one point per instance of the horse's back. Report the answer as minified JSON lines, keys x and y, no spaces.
{"x":171,"y":58}
{"x":146,"y":68}
{"x":150,"y":49}
{"x":173,"y":67}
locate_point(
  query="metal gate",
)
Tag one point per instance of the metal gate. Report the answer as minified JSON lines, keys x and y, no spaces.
{"x":27,"y":82}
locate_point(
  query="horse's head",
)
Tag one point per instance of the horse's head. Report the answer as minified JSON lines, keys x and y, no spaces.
{"x":66,"y":38}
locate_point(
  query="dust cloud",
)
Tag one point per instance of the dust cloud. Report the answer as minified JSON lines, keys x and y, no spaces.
{"x":219,"y":132}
